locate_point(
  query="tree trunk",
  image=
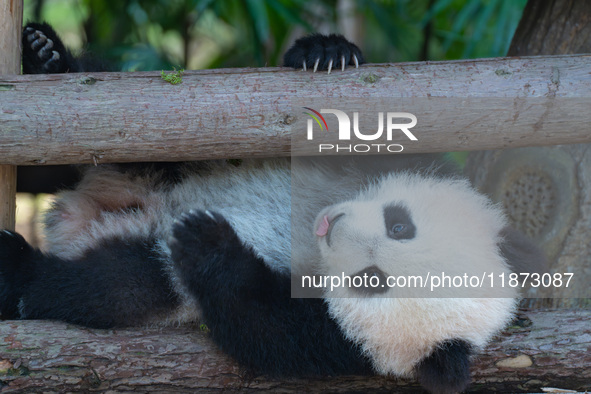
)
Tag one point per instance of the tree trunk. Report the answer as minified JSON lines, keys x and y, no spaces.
{"x":553,"y":27}
{"x":36,"y":355}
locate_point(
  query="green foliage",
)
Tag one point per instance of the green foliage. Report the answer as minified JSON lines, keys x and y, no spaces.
{"x":174,"y":77}
{"x":156,"y":34}
{"x":474,"y":28}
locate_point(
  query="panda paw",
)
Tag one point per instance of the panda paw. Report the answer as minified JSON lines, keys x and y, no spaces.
{"x":14,"y":249}
{"x":15,"y":253}
{"x":43,"y":51}
{"x":323,"y":52}
{"x":447,"y":369}
{"x":202,"y":242}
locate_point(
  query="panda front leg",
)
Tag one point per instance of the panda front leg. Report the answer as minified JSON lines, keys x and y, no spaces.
{"x":248,"y":308}
{"x":118,"y":283}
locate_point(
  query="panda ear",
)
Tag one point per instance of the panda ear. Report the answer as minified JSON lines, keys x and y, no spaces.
{"x":521,"y":253}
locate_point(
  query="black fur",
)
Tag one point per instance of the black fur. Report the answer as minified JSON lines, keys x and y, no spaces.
{"x":164,"y":174}
{"x":323,"y":48}
{"x":248,"y":308}
{"x":46,"y":179}
{"x":119,"y":283}
{"x":447,"y":369}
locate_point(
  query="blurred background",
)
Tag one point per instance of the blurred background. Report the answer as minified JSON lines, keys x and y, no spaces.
{"x":197,"y":34}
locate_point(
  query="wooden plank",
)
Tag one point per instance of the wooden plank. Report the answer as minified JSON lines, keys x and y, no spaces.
{"x":11,"y":20}
{"x":122,"y":117}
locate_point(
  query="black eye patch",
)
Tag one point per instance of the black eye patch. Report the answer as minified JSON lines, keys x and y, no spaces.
{"x":399,"y":224}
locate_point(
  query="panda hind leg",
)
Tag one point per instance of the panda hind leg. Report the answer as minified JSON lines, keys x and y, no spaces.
{"x":121,"y":282}
{"x":447,"y":369}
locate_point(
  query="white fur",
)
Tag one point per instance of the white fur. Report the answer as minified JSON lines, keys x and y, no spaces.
{"x":254,"y":198}
{"x":457,"y":231}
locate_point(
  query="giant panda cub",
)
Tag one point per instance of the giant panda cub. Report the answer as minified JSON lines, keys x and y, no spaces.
{"x":211,"y":241}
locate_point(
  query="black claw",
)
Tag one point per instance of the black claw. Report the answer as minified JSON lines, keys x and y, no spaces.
{"x":318,"y":51}
{"x":55,"y":56}
{"x":32,"y":35}
{"x":39,"y":43}
{"x":46,"y":52}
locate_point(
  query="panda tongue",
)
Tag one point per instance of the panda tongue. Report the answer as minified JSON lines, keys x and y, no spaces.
{"x":323,"y":227}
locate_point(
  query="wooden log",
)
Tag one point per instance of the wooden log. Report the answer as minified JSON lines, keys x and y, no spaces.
{"x":122,"y":117}
{"x":7,"y":196}
{"x":11,"y":16}
{"x":37,"y":355}
{"x":11,"y":20}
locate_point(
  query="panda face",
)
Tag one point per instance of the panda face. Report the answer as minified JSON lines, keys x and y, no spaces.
{"x":409,"y":225}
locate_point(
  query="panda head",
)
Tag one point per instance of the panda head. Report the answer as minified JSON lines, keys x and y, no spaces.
{"x":405,"y":225}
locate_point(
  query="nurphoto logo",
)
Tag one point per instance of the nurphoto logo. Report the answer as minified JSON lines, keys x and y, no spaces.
{"x":396,"y":123}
